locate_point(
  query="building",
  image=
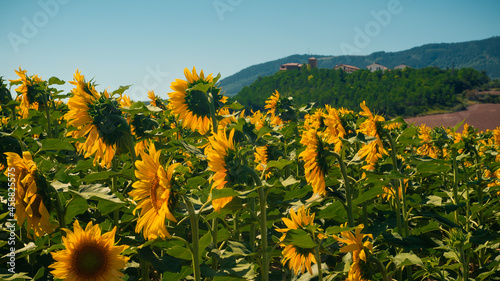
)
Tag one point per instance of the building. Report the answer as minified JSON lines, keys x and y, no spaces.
{"x":313,"y":62}
{"x":375,"y":66}
{"x":290,"y":66}
{"x":346,"y":68}
{"x":401,"y":66}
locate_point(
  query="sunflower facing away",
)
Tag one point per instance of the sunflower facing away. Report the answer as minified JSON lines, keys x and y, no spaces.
{"x":191,"y":105}
{"x":153,"y":194}
{"x":219,"y":154}
{"x":299,"y":259}
{"x":354,"y":243}
{"x":30,"y":97}
{"x":89,"y":255}
{"x":29,"y":199}
{"x":98,"y":119}
{"x":314,"y":157}
{"x":375,"y":149}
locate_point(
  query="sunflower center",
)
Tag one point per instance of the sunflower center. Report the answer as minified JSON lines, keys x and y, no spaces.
{"x":90,"y":261}
{"x":156,"y":192}
{"x":198,"y":103}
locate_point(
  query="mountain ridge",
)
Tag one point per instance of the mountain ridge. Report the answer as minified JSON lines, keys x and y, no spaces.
{"x":483,"y":55}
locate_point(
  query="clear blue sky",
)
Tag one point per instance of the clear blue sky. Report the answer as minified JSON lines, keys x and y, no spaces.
{"x":149,"y":43}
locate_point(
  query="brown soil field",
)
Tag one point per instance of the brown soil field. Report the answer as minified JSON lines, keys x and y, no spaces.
{"x":481,"y":116}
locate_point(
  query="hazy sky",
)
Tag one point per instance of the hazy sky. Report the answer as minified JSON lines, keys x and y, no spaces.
{"x":149,"y":43}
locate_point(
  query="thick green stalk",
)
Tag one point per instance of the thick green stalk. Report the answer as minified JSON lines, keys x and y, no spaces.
{"x":264,"y":268}
{"x":400,"y":206}
{"x":318,"y":262}
{"x":215,"y":229}
{"x":381,"y":266}
{"x":47,"y":113}
{"x":144,"y":269}
{"x":348,"y":191}
{"x":455,"y":182}
{"x":196,"y":239}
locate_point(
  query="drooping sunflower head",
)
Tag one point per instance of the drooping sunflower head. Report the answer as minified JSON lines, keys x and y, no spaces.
{"x":97,"y":118}
{"x":31,"y":201}
{"x":154,"y":194}
{"x":298,"y":258}
{"x":192,"y":99}
{"x":30,"y":87}
{"x":314,"y":156}
{"x":223,"y":161}
{"x":88,"y":255}
{"x":155,"y":100}
{"x":372,"y":125}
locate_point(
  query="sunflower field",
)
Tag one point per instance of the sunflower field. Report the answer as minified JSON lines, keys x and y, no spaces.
{"x":187,"y":186}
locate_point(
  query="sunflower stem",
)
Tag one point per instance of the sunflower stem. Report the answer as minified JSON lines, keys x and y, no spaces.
{"x":381,"y":266}
{"x":348,"y":191}
{"x":210,"y":99}
{"x":455,"y":182}
{"x":263,"y":223}
{"x":144,"y":269}
{"x":400,"y":206}
{"x":195,"y":239}
{"x":47,"y":112}
{"x":318,"y":262}
{"x":215,"y":229}
{"x":114,"y":188}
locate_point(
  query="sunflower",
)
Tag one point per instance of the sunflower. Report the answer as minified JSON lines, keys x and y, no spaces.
{"x":427,"y":147}
{"x":155,"y":100}
{"x":334,"y":129}
{"x":219,"y":153}
{"x":29,"y":194}
{"x":272,"y":103}
{"x":315,"y":120}
{"x":89,"y":255}
{"x":30,"y":97}
{"x":375,"y":149}
{"x":496,"y":136}
{"x":258,"y":119}
{"x":154,"y":194}
{"x":372,"y":151}
{"x":261,"y":158}
{"x":299,"y":259}
{"x":192,"y":105}
{"x":314,"y":157}
{"x":98,"y":119}
{"x":354,"y":243}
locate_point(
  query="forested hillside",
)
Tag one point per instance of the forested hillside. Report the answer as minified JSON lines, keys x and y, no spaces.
{"x":482,"y":55}
{"x":405,"y":92}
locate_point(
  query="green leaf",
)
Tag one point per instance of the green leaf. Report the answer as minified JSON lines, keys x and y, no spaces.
{"x":371,"y":193}
{"x":299,"y":238}
{"x":338,"y":229}
{"x":56,"y":144}
{"x":237,"y":249}
{"x":205,"y":241}
{"x":76,"y":206}
{"x":222,"y":193}
{"x":263,"y":131}
{"x":180,"y":252}
{"x":96,"y":192}
{"x":39,"y":273}
{"x":280,"y":164}
{"x":202,"y":87}
{"x":99,"y":176}
{"x":405,"y":259}
{"x":334,"y":210}
{"x":106,"y":207}
{"x":175,"y":276}
{"x":432,"y":167}
{"x":121,"y":89}
{"x":297,"y":193}
{"x":236,"y":106}
{"x":289,"y":181}
{"x":55,"y":80}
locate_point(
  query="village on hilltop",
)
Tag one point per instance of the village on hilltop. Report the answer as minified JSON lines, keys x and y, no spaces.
{"x":313,"y":62}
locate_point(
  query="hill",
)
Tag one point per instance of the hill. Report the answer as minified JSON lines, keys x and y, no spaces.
{"x":482,"y":55}
{"x":399,"y":92}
